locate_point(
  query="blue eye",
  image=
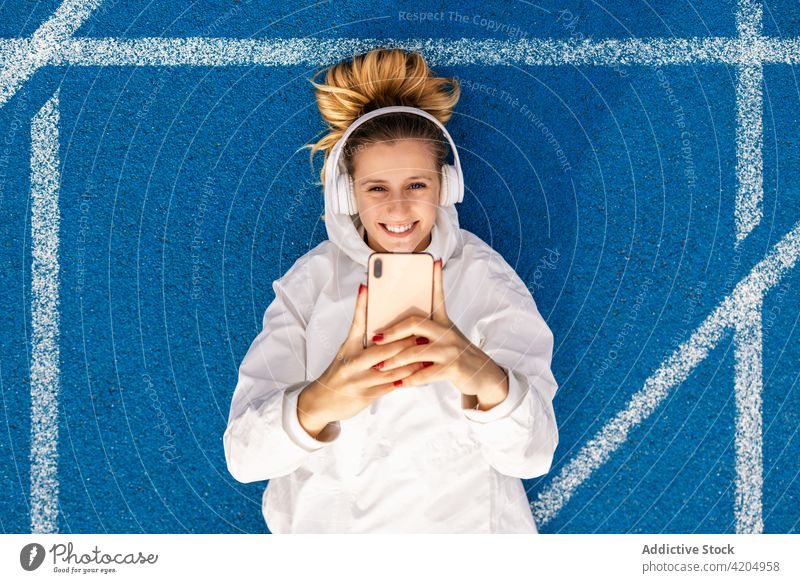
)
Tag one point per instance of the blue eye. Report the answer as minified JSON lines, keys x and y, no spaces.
{"x":420,"y":184}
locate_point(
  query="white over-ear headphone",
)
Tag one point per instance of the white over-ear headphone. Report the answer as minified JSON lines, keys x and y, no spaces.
{"x":339,"y":184}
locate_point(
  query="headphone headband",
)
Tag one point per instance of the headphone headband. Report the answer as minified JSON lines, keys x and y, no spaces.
{"x":332,"y":166}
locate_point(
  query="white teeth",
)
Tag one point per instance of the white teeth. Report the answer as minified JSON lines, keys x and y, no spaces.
{"x":399,"y":229}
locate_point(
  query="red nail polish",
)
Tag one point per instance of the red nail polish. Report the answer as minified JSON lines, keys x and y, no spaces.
{"x":379,"y":365}
{"x":361,"y":288}
{"x":398,"y":383}
{"x":425,"y":364}
{"x":377,"y":338}
{"x":422,"y":340}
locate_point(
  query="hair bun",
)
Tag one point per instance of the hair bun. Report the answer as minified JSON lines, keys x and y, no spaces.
{"x":379,"y":78}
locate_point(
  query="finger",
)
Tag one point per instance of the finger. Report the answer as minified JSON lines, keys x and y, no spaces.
{"x":376,"y":377}
{"x":439,"y":311}
{"x":414,"y":354}
{"x":377,"y":354}
{"x":412,"y":326}
{"x":424,"y":374}
{"x":386,"y":382}
{"x":359,"y":325}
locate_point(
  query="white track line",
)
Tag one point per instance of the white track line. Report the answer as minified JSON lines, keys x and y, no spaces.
{"x":748,"y":383}
{"x":217,"y":52}
{"x":748,"y":19}
{"x":749,"y":160}
{"x":749,"y":113}
{"x":440,"y":52}
{"x":45,"y":370}
{"x":746,"y":297}
{"x":67,"y":18}
{"x":748,"y":348}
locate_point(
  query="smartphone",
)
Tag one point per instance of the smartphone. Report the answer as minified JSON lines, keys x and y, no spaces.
{"x":398,"y":285}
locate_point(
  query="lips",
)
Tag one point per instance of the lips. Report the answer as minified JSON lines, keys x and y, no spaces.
{"x":403,"y":234}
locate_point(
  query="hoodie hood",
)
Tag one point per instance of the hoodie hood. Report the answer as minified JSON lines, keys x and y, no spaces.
{"x":347,"y":232}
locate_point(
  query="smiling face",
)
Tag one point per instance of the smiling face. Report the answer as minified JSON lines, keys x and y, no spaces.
{"x":397,"y":184}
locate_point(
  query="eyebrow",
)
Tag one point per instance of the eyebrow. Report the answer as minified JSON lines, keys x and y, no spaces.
{"x":379,"y":181}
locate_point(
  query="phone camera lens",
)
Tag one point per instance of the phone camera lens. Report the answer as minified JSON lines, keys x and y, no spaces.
{"x":378,"y":265}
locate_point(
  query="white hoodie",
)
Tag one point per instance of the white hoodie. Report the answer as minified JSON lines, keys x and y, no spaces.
{"x":415,"y":460}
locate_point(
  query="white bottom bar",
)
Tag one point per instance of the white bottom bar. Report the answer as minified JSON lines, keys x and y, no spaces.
{"x":388,"y":558}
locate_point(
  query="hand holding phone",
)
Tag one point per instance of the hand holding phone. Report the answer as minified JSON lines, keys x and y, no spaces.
{"x":352,"y":381}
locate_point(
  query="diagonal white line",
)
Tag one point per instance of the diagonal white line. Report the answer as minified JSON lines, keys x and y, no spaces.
{"x":67,"y":18}
{"x":45,"y":370}
{"x":745,"y":297}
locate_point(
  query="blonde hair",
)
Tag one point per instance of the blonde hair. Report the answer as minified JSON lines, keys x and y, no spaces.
{"x":380,"y":78}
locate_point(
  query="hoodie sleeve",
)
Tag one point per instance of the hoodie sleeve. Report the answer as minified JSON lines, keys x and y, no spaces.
{"x":264,"y":438}
{"x":518,"y":435}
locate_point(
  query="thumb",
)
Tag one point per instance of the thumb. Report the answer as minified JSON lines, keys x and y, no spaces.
{"x":359,"y":325}
{"x":439,"y":310}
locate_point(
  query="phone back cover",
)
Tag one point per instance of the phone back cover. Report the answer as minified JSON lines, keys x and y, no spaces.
{"x":404,"y":288}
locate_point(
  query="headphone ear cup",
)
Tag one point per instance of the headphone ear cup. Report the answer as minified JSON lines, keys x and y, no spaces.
{"x":450,"y":189}
{"x":345,"y":195}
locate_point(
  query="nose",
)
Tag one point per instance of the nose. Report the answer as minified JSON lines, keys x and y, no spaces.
{"x":395,"y":205}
